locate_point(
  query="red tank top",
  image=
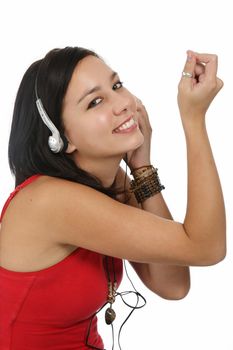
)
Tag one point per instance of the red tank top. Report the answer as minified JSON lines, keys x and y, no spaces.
{"x":51,"y":309}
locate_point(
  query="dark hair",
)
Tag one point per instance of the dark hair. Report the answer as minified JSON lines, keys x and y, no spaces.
{"x":28,"y":150}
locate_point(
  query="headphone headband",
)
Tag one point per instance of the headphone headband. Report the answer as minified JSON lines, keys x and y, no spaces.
{"x":55,"y":141}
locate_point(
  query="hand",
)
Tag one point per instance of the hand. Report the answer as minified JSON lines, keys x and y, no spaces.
{"x":141,"y":155}
{"x":196,"y":94}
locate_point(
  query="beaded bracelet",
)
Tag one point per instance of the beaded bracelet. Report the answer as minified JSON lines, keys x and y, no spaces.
{"x":146,"y":183}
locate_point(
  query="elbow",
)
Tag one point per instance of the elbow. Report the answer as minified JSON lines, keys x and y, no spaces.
{"x":215,"y":254}
{"x":219,"y":249}
{"x":175,"y":294}
{"x":216,"y":257}
{"x":178,"y":292}
{"x":213,"y":257}
{"x":207,"y":252}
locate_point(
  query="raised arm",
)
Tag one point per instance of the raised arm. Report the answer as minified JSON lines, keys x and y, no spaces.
{"x":205,"y":215}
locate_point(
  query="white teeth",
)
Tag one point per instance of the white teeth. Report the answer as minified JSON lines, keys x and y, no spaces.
{"x":126,"y":125}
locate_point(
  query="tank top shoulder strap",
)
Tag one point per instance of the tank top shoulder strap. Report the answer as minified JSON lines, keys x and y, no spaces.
{"x":17,"y":189}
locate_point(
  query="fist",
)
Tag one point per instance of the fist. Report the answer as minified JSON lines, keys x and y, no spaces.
{"x":199,"y":84}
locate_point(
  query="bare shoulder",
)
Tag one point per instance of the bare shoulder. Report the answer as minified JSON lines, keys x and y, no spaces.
{"x":25,"y":241}
{"x":56,"y":194}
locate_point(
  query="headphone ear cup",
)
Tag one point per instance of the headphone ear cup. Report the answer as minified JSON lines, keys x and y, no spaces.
{"x":55,"y":144}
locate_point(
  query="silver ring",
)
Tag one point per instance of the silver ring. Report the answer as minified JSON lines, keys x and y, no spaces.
{"x":187,"y":75}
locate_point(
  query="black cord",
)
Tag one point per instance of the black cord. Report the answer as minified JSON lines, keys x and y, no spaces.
{"x":89,"y":328}
{"x":126,"y":169}
{"x":106,"y":268}
{"x":133,"y":307}
{"x":114,"y":272}
{"x":113,"y":336}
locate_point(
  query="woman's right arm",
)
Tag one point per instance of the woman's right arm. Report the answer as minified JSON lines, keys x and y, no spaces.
{"x":78,"y":215}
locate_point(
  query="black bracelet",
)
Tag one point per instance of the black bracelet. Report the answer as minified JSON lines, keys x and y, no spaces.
{"x":145,"y":187}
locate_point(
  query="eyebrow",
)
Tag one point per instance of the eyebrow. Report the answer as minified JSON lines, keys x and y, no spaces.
{"x":96,"y":88}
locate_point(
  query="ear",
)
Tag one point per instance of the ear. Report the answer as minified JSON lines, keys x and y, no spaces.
{"x":70,"y":148}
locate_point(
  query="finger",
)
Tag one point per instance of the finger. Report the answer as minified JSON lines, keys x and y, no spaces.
{"x":210,"y":61}
{"x":138,"y":103}
{"x":142,"y":116}
{"x":199,"y":73}
{"x":189,"y":68}
{"x":199,"y":69}
{"x":219,"y":84}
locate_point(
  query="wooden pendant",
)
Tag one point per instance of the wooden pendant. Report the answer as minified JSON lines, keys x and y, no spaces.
{"x":110,"y":315}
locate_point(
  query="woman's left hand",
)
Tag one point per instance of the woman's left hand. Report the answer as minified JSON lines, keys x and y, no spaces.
{"x":141,"y":156}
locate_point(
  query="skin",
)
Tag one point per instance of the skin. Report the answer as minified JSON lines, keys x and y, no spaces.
{"x":159,"y":248}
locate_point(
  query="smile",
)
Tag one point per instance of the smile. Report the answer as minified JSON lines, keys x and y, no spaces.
{"x":129,"y":125}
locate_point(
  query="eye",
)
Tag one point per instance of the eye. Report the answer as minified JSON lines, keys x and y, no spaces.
{"x":117,"y":85}
{"x":94,"y":102}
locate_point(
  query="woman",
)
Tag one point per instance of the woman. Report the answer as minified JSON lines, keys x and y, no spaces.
{"x":76,"y":214}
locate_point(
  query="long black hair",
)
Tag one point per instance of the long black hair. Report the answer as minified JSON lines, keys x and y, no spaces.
{"x":28,"y":150}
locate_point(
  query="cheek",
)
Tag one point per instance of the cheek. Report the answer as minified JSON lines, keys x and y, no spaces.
{"x":103,"y":123}
{"x":97,"y":124}
{"x":86,"y":132}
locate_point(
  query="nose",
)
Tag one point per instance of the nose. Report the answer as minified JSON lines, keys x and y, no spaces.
{"x":122,"y":103}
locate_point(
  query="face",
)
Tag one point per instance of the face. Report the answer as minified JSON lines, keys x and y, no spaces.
{"x":99,"y":113}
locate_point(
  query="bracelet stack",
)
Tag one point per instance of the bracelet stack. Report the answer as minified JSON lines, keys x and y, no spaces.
{"x":146,"y":183}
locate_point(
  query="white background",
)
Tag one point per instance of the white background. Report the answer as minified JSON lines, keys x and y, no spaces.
{"x":145,"y":41}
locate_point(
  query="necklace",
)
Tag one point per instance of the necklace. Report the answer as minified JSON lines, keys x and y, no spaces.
{"x":110,"y":314}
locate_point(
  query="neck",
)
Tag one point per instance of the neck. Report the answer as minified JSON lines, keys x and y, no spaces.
{"x":103,"y":169}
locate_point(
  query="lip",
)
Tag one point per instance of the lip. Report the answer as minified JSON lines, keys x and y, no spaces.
{"x":125,"y":121}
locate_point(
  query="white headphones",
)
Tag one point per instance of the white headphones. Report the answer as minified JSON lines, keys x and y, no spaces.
{"x":55,"y":142}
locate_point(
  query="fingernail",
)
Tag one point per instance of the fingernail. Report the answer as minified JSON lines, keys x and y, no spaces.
{"x":189,"y":56}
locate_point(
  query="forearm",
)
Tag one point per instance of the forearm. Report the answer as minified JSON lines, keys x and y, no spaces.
{"x":157,"y":205}
{"x":204,"y":222}
{"x":170,"y":282}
